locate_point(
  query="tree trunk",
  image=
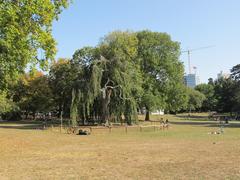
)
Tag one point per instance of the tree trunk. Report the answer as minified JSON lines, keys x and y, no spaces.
{"x":74,"y":108}
{"x":106,"y":101}
{"x":147,"y":117}
{"x":59,"y":109}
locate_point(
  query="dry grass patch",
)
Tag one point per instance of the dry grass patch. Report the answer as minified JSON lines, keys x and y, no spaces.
{"x":186,"y":151}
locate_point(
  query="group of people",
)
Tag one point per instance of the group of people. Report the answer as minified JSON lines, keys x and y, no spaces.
{"x":165,"y":124}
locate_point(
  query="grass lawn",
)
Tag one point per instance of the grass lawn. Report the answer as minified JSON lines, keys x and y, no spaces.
{"x":185,"y":151}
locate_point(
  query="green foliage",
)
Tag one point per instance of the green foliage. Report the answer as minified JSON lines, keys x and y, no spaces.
{"x":32,"y":93}
{"x":195,"y":99}
{"x":162,"y":71}
{"x":223,"y":94}
{"x":25,"y":30}
{"x":60,"y":82}
{"x":123,"y":69}
{"x":40,"y":96}
{"x":6,"y":105}
{"x":235,"y":72}
{"x":126,"y":72}
{"x":226,"y":91}
{"x":177,"y":98}
{"x":107,"y":80}
{"x":87,"y":73}
{"x":210,"y":103}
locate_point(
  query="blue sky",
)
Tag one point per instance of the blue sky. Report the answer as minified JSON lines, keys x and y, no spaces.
{"x":194,"y":23}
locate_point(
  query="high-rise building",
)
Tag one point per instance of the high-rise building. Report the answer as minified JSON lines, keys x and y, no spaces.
{"x":191,"y":80}
{"x":223,"y":75}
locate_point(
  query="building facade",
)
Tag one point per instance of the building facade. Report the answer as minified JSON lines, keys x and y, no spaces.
{"x":223,"y":75}
{"x":191,"y":80}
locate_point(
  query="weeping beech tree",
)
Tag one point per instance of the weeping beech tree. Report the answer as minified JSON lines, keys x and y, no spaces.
{"x":127,"y":71}
{"x":107,"y":85}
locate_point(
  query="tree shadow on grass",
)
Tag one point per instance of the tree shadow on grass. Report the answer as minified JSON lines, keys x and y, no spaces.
{"x":229,"y":125}
{"x":207,"y":123}
{"x":192,"y":117}
{"x":22,"y":125}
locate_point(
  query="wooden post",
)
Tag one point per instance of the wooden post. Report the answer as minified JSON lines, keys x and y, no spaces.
{"x":140,"y":129}
{"x":61,"y":119}
{"x":90,"y":129}
{"x":126,"y":130}
{"x":110,"y":129}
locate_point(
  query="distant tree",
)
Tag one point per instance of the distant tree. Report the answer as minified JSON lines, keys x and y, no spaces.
{"x":211,"y":81}
{"x":32,"y":93}
{"x":40,"y":98}
{"x":235,"y":73}
{"x":209,"y":104}
{"x":60,"y":81}
{"x":195,"y":99}
{"x":25,"y":30}
{"x":225,"y":90}
{"x":177,"y":99}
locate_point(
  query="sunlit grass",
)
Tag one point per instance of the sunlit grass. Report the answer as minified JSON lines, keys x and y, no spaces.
{"x":185,"y":151}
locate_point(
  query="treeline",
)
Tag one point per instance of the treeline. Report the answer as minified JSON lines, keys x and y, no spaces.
{"x":223,"y":94}
{"x":126,"y":73}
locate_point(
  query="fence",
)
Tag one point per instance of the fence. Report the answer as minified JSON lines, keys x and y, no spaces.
{"x":154,"y":126}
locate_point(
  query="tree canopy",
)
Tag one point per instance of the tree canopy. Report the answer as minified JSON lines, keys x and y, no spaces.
{"x":25,"y":31}
{"x":195,"y":100}
{"x":162,"y":71}
{"x":210,"y":103}
{"x":126,"y":73}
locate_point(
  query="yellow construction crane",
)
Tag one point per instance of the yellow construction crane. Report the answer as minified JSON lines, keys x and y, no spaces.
{"x":189,"y":51}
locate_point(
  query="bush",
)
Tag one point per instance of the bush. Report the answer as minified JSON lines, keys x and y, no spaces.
{"x":14,"y":115}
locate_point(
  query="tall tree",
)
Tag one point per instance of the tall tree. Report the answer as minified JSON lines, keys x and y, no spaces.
{"x":235,"y":74}
{"x":109,"y":79}
{"x":86,"y":66}
{"x":162,"y":71}
{"x":25,"y":30}
{"x":225,"y":93}
{"x":60,"y":81}
{"x":123,"y":69}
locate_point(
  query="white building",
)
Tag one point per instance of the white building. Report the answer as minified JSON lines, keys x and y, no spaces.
{"x":154,"y":112}
{"x":158,"y":112}
{"x":223,"y":75}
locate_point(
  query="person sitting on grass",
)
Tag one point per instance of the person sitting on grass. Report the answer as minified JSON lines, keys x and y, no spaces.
{"x":167,"y":123}
{"x":162,"y":124}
